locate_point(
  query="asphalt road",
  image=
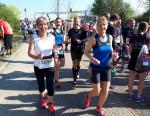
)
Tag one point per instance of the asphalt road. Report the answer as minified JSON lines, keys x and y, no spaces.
{"x":19,"y":92}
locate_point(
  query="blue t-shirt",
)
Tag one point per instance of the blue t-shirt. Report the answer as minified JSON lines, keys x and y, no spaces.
{"x":102,"y":51}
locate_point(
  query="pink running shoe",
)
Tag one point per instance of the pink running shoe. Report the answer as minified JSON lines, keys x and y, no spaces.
{"x":51,"y":108}
{"x":87,"y":101}
{"x":43,"y":103}
{"x":100,"y":111}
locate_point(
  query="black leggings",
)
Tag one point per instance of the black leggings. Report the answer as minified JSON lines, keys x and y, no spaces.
{"x":49,"y":74}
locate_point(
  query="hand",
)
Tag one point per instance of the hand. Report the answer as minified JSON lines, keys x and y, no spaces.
{"x":40,"y":56}
{"x":64,"y":42}
{"x":79,"y":41}
{"x":56,"y":65}
{"x":95,"y":61}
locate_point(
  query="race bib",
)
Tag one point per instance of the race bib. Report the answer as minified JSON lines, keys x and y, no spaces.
{"x":145,"y":63}
{"x":45,"y":63}
{"x":127,"y":40}
{"x":61,"y":51}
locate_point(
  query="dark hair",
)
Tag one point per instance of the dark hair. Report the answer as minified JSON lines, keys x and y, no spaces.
{"x":131,"y":20}
{"x":114,"y":17}
{"x":147,"y":39}
{"x":107,"y":15}
{"x":142,"y":26}
{"x":58,"y":18}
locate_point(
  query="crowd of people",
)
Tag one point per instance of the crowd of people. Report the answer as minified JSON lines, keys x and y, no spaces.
{"x":109,"y":43}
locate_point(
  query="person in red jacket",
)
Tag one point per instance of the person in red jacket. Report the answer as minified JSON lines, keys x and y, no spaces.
{"x":7,"y":33}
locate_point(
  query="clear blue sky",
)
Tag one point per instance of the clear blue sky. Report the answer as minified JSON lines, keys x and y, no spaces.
{"x":50,"y":5}
{"x":47,"y":5}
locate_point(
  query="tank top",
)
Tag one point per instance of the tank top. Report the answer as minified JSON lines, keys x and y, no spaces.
{"x":59,"y":36}
{"x":102,"y":51}
{"x":46,"y":48}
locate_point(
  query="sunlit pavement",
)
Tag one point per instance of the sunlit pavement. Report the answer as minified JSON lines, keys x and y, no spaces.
{"x":19,"y":93}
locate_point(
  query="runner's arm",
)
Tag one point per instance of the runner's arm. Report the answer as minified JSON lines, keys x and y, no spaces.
{"x":88,"y":47}
{"x":31,"y":51}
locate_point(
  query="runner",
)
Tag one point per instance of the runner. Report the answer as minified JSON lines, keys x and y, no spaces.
{"x":76,"y":37}
{"x":41,"y":49}
{"x":100,"y":64}
{"x":59,"y":34}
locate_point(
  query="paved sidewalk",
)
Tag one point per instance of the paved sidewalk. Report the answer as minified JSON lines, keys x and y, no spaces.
{"x":19,"y":93}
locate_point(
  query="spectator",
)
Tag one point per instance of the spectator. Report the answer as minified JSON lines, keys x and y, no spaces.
{"x":111,"y":27}
{"x":30,"y":28}
{"x":119,"y":42}
{"x":111,"y":30}
{"x":135,"y":44}
{"x":8,"y":35}
{"x":127,"y":33}
{"x":1,"y":38}
{"x":23,"y":27}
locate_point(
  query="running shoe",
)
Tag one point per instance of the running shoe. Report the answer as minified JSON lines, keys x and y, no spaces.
{"x":139,"y":99}
{"x":51,"y":108}
{"x":58,"y":84}
{"x":113,"y":72}
{"x":100,"y":111}
{"x":43,"y":103}
{"x":78,"y":76}
{"x":131,"y":96}
{"x":87,"y":101}
{"x":74,"y":82}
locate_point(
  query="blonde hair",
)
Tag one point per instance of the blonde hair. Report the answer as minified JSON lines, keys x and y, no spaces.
{"x":102,"y":19}
{"x":77,"y":18}
{"x":40,"y":19}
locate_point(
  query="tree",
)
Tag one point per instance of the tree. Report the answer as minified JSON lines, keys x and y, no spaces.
{"x":126,"y":12}
{"x":72,"y":15}
{"x":112,"y":6}
{"x":145,"y":3}
{"x":11,"y":15}
{"x":98,"y":7}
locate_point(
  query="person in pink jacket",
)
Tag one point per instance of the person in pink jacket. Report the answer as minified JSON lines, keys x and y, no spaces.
{"x":7,"y":34}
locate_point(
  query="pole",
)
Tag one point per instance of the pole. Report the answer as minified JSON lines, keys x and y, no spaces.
{"x":58,"y":8}
{"x":149,"y":11}
{"x":25,"y":10}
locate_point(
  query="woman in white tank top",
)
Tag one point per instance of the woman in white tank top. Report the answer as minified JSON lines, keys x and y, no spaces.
{"x":41,"y":49}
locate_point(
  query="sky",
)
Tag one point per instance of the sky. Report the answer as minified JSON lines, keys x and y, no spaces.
{"x":33,"y":6}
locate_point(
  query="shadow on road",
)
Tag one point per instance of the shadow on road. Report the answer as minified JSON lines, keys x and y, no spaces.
{"x":13,"y":61}
{"x":17,"y":80}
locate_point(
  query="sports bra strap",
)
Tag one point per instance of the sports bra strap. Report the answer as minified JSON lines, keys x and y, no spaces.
{"x":99,"y":43}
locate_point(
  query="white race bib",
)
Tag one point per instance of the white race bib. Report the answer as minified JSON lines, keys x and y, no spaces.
{"x":45,"y":63}
{"x":145,"y":63}
{"x":61,"y":51}
{"x":127,"y":40}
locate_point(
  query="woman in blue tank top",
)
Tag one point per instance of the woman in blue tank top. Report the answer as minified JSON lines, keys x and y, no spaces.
{"x":100,"y":64}
{"x":59,"y":39}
